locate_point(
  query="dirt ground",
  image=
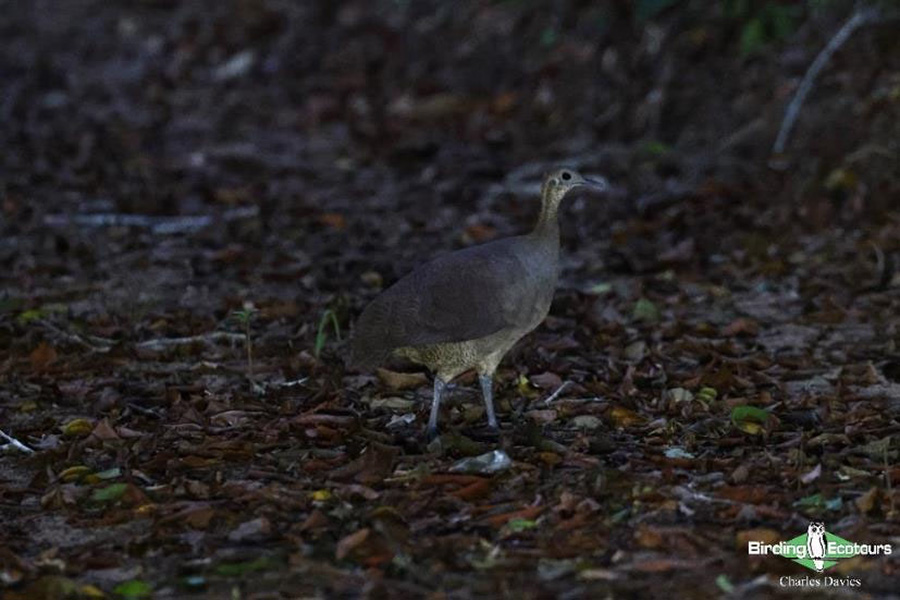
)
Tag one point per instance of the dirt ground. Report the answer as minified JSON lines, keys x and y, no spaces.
{"x":197,"y":199}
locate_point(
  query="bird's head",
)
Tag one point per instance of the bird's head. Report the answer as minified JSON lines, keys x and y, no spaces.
{"x":559,"y":182}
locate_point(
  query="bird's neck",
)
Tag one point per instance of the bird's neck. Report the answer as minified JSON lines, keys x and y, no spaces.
{"x":547,"y":227}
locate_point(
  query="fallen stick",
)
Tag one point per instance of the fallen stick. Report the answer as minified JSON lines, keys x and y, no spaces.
{"x":16,"y":443}
{"x":156,"y":225}
{"x":860,"y":17}
{"x":93,"y":343}
{"x":206,"y":338}
{"x":556,"y":394}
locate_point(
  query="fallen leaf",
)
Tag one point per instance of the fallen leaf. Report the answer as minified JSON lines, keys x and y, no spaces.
{"x":541,"y":417}
{"x":372,"y":466}
{"x":75,"y":473}
{"x":393,"y":403}
{"x":646,"y":311}
{"x":494,"y":461}
{"x":741,"y":326}
{"x":42,"y":357}
{"x":333,"y":220}
{"x":350,"y":542}
{"x":530,"y":513}
{"x":751,"y":419}
{"x":624,"y":417}
{"x":740,"y":474}
{"x":649,"y":537}
{"x":133,"y":590}
{"x":110,"y":493}
{"x":546,"y":380}
{"x":254,"y":530}
{"x":77,"y":428}
{"x":402,"y":381}
{"x":103,"y":431}
{"x":589,"y":422}
{"x":812,"y":475}
{"x":868,"y":501}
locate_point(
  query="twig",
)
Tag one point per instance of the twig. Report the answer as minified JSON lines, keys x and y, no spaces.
{"x":157,"y":225}
{"x":206,"y":338}
{"x":860,"y":17}
{"x":558,"y":391}
{"x":16,"y":443}
{"x":93,"y":343}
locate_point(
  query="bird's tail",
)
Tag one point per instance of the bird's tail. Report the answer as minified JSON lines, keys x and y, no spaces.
{"x":819,"y":564}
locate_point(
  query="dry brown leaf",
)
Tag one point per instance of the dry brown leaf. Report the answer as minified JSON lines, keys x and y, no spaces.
{"x":648,"y":537}
{"x":761,"y":534}
{"x":547,"y":381}
{"x":624,"y":417}
{"x":402,"y":381}
{"x":868,"y":501}
{"x":42,"y":357}
{"x":741,"y":326}
{"x":350,"y":542}
{"x":103,"y":431}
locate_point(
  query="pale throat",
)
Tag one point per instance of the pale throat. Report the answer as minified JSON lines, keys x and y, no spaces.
{"x":547,"y":221}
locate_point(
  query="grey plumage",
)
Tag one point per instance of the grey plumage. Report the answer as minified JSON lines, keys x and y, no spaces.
{"x":464,"y":295}
{"x":466,"y":309}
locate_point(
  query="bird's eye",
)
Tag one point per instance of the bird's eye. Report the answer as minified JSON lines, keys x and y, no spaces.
{"x":566,"y":176}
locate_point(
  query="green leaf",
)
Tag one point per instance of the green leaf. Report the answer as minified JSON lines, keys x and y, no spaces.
{"x":263,"y":563}
{"x":655,"y":148}
{"x":322,"y":334}
{"x":601,"y":288}
{"x":517,"y":525}
{"x":110,"y":493}
{"x":133,"y":590}
{"x":109,"y":473}
{"x":753,"y":36}
{"x":30,"y":315}
{"x":818,"y":503}
{"x":707,"y":394}
{"x":750,"y":419}
{"x":724,"y":584}
{"x":645,"y":310}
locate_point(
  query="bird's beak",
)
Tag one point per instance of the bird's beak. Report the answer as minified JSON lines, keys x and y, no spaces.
{"x":598,"y":184}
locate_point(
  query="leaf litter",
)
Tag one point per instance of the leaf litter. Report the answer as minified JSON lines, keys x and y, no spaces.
{"x":719,"y":365}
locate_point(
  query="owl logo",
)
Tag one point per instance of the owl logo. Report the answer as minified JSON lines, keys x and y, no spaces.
{"x":815,"y":544}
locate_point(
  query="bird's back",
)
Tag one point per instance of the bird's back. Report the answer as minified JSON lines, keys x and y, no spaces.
{"x":464,"y":295}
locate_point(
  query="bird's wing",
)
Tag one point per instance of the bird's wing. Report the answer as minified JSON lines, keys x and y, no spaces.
{"x":460,"y":296}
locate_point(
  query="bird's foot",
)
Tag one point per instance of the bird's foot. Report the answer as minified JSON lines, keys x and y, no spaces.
{"x":431,"y":434}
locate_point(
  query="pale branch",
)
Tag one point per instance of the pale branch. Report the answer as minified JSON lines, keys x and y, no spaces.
{"x":206,"y":338}
{"x":93,"y":343}
{"x":558,"y":391}
{"x":859,"y":18}
{"x":16,"y":443}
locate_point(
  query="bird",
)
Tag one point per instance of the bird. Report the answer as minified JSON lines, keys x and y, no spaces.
{"x":464,"y":310}
{"x":815,"y":544}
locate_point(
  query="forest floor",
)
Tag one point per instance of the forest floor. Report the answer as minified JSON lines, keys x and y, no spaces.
{"x":199,"y":198}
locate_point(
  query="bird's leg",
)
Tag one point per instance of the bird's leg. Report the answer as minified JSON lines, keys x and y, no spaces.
{"x":439,"y":386}
{"x":488,"y":393}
